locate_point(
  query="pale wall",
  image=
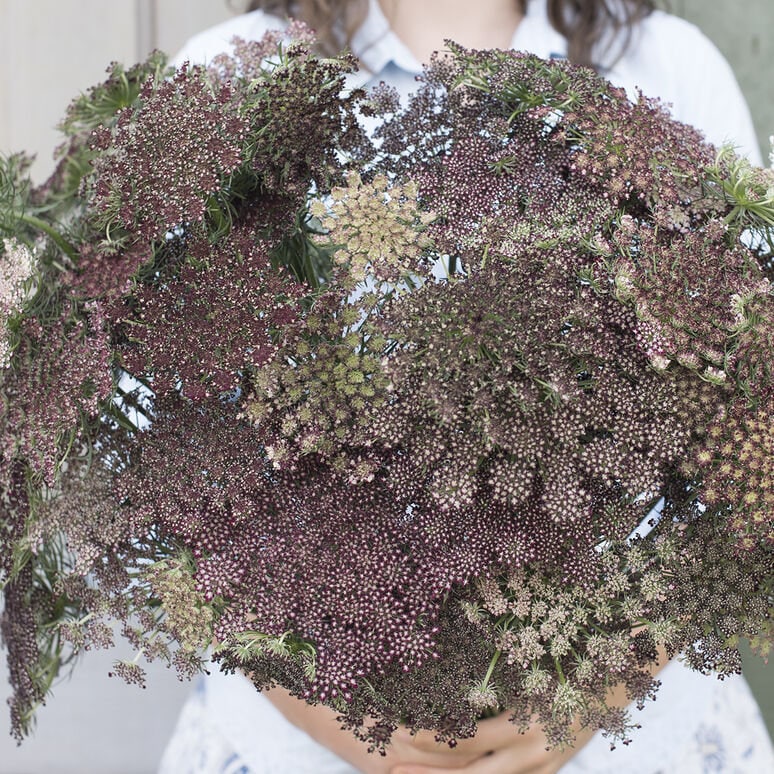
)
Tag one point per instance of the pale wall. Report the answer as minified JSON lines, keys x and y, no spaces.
{"x":744,"y":32}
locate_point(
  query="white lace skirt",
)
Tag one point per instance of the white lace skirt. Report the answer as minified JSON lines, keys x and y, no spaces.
{"x":697,"y":725}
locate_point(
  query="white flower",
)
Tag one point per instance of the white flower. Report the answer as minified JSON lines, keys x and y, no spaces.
{"x":16,"y":268}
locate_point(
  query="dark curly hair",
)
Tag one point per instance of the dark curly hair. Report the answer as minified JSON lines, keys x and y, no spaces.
{"x":584,"y":23}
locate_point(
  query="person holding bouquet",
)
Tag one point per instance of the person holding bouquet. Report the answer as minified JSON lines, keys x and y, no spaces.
{"x":697,"y":724}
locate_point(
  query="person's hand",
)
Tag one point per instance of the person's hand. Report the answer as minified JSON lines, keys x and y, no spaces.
{"x":497,"y":748}
{"x":320,"y":723}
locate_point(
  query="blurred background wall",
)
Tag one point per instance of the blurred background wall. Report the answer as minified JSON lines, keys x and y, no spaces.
{"x":744,"y":32}
{"x":49,"y":51}
{"x":52,"y":49}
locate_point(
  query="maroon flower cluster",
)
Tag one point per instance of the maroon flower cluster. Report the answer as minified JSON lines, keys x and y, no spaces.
{"x":167,"y":156}
{"x":416,"y":496}
{"x":200,"y":329}
{"x":736,"y":462}
{"x":58,"y":382}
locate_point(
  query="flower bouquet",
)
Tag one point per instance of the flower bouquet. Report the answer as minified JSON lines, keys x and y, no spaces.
{"x":470,"y":414}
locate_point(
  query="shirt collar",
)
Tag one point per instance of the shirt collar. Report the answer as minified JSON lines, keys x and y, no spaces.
{"x":536,"y":35}
{"x":376,"y":45}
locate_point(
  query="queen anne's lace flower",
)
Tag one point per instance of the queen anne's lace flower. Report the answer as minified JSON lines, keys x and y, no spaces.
{"x":16,"y":269}
{"x":239,"y":411}
{"x":377,"y":228}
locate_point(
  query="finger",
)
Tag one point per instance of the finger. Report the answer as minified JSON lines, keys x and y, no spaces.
{"x":442,"y":757}
{"x":507,"y":761}
{"x":492,"y":735}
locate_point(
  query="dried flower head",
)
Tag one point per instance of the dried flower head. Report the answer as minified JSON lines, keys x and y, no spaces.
{"x":377,"y":228}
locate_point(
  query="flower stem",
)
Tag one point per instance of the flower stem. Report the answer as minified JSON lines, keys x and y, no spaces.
{"x":490,"y":671}
{"x":51,"y":232}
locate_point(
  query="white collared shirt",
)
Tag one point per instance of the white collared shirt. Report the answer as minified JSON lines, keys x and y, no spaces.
{"x":667,"y":57}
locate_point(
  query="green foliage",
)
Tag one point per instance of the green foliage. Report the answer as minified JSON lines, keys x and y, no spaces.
{"x":102,"y":103}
